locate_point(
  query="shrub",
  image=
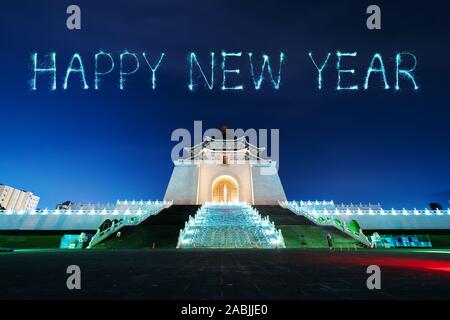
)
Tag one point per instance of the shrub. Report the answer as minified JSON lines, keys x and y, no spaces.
{"x":353,"y":226}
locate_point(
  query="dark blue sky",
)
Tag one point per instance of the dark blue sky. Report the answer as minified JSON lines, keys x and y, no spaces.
{"x":375,"y":145}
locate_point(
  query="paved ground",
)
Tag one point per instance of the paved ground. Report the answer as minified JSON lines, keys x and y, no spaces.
{"x":225,"y":274}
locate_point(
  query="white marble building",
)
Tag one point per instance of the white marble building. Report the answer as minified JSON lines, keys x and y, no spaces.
{"x":225,"y":171}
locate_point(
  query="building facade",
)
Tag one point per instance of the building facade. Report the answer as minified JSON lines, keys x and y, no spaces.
{"x":221,"y":170}
{"x":15,"y":199}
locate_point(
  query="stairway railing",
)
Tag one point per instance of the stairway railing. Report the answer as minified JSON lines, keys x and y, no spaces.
{"x":360,"y":237}
{"x":126,"y":221}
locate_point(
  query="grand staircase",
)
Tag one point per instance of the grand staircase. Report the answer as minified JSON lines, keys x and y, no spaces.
{"x":163,"y":231}
{"x":229,"y":225}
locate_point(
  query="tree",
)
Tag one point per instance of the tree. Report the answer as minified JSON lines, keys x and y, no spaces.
{"x":435,"y":206}
{"x":353,"y":226}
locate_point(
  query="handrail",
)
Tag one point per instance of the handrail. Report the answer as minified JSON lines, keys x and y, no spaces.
{"x":102,"y":235}
{"x":111,"y":211}
{"x":126,"y":221}
{"x":339,"y":210}
{"x":292,"y":206}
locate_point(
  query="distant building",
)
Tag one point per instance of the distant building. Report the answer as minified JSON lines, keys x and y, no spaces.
{"x":15,"y":199}
{"x":64,"y":206}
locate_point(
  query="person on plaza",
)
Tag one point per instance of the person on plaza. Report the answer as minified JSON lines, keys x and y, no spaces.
{"x":330,"y":241}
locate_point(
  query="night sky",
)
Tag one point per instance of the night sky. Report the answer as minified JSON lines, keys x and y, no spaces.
{"x":99,"y":146}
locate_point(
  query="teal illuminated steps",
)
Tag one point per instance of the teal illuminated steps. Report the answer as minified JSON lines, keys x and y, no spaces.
{"x":229,"y":225}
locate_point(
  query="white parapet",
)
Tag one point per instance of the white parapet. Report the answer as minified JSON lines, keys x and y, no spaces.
{"x":374,"y":217}
{"x":78,"y":219}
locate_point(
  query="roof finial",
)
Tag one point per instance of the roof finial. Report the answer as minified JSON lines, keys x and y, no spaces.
{"x":224,"y":129}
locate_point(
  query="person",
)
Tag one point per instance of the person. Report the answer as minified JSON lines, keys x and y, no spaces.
{"x":302,"y":240}
{"x":330,"y":241}
{"x":118,"y":234}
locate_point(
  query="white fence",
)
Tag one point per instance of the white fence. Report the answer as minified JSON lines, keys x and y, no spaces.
{"x":72,"y":219}
{"x":342,"y":226}
{"x":376,"y":218}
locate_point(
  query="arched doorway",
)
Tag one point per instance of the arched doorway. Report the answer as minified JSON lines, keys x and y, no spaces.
{"x":225,"y":189}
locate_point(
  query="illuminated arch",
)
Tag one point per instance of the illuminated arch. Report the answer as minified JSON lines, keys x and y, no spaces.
{"x":225,"y":189}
